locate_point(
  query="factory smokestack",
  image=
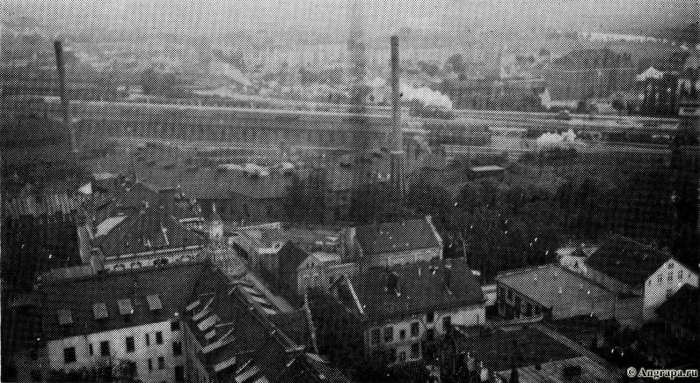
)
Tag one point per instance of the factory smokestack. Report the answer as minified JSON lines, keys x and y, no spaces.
{"x":65,"y":104}
{"x":397,"y":153}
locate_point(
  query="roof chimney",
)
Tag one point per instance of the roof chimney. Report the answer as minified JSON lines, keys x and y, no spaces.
{"x":392,"y":283}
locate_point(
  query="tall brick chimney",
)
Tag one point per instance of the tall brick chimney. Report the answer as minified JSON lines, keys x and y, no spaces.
{"x":398,"y":157}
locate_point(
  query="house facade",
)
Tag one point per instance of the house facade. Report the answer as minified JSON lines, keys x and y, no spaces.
{"x":131,"y":316}
{"x":407,"y":308}
{"x":628,"y":267}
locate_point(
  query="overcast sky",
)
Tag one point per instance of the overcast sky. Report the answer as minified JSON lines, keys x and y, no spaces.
{"x":220,"y":16}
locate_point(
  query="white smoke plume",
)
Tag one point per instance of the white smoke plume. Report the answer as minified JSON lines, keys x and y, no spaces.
{"x":426,"y":95}
{"x":556,"y":139}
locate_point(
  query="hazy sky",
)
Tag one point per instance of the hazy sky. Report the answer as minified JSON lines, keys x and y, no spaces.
{"x":219,"y":16}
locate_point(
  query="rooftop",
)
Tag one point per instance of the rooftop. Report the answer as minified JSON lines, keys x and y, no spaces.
{"x":551,"y":284}
{"x":418,"y":287}
{"x":147,"y":230}
{"x":627,"y":260}
{"x":397,"y":236}
{"x":92,"y":304}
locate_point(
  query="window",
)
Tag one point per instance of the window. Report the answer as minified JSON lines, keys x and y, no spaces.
{"x":659,"y":278}
{"x":374,"y":338}
{"x":402,"y":334}
{"x":388,"y":334}
{"x":430,"y":317}
{"x":159,"y":337}
{"x":179,"y":374}
{"x":177,"y":348}
{"x":148,"y":340}
{"x":414,"y":329}
{"x":130,"y":344}
{"x":680,"y":274}
{"x":69,"y":355}
{"x":430,"y":334}
{"x":446,"y":323}
{"x":392,"y":355}
{"x":150,"y":365}
{"x":104,"y":348}
{"x":415,"y":351}
{"x":175,"y":326}
{"x":668,"y":292}
{"x":670,"y":276}
{"x":537,"y":310}
{"x":161,"y":363}
{"x":402,"y":356}
{"x":91,"y":350}
{"x":528,"y":310}
{"x":670,"y":265}
{"x":649,"y":283}
{"x":510,"y":294}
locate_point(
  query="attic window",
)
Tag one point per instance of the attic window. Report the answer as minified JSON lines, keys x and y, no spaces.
{"x":65,"y":317}
{"x":100,"y":311}
{"x":154,"y":302}
{"x":125,"y":307}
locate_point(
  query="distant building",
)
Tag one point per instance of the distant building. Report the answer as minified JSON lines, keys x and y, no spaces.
{"x":627,"y":266}
{"x":529,"y":354}
{"x":397,"y":314}
{"x":39,"y":234}
{"x":144,"y":238}
{"x":589,"y":73}
{"x":553,"y":292}
{"x":394,"y":243}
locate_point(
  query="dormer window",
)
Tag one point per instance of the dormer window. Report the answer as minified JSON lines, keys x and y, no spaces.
{"x":126,"y":309}
{"x":154,"y":304}
{"x":100,"y":311}
{"x":65,"y":320}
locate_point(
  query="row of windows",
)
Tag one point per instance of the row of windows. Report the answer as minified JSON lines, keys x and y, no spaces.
{"x":376,"y":334}
{"x":660,"y":276}
{"x":392,"y":356}
{"x":69,"y":355}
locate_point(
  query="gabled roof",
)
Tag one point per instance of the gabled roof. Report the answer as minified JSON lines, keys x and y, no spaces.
{"x":626,"y":260}
{"x":420,"y":287}
{"x":242,"y":331}
{"x":397,"y":236}
{"x":100,"y":295}
{"x":682,"y":308}
{"x":146,"y":230}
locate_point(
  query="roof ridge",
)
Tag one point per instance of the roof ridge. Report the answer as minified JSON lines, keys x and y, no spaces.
{"x":118,"y":273}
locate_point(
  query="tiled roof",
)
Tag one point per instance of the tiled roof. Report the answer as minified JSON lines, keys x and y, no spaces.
{"x":243,"y":331}
{"x":420,"y":287}
{"x":86,"y":297}
{"x":682,"y":308}
{"x":626,"y":260}
{"x":147,"y":230}
{"x":397,"y":236}
{"x":47,"y":204}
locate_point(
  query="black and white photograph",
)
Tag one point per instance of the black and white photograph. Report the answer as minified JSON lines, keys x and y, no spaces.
{"x":349,"y":191}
